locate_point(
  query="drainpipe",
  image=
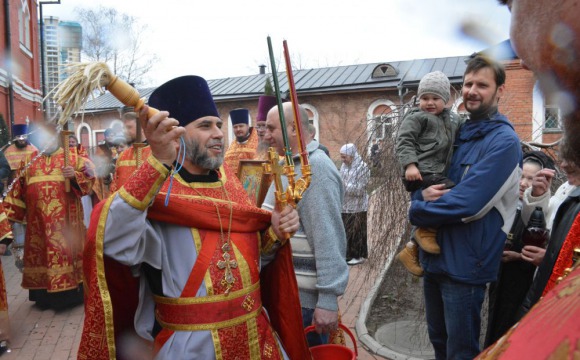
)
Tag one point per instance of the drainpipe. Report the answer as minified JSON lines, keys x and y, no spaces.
{"x":9,"y":65}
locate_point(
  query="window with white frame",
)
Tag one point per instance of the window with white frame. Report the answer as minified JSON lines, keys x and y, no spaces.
{"x":459,"y":108}
{"x":24,"y":24}
{"x":552,"y":118}
{"x":313,"y":119}
{"x":382,"y":119}
{"x":385,"y":126}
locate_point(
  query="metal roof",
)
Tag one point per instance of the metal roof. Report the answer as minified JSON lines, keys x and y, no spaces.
{"x":107,"y":101}
{"x":334,"y":79}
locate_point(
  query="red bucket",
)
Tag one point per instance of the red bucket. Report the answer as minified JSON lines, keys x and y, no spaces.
{"x":333,"y":351}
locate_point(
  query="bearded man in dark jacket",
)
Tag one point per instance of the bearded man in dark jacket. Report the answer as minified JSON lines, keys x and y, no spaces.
{"x":473,"y":218}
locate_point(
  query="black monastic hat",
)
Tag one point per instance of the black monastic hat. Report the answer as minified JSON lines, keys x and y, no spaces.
{"x":240,"y":116}
{"x":186,"y":98}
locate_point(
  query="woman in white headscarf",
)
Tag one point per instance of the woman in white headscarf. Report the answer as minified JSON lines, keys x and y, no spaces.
{"x":355,"y":176}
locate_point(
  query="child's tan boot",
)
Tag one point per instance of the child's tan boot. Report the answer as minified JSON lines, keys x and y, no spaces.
{"x":427,"y":240}
{"x":409,"y":257}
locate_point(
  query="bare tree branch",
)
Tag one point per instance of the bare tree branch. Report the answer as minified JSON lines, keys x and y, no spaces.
{"x":117,"y":39}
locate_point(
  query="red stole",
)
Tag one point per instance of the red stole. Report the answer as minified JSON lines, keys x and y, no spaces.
{"x":564,"y":259}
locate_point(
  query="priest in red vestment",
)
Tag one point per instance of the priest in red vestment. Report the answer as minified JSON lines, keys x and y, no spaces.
{"x":20,"y":147}
{"x":245,"y":144}
{"x":55,"y":231}
{"x":184,"y":226}
{"x":134,"y":156}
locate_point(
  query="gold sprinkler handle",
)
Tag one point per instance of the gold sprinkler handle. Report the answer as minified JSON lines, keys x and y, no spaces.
{"x":65,"y":134}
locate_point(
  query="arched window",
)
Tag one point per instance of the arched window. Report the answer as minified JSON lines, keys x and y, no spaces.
{"x":313,"y":119}
{"x":382,"y":120}
{"x":459,"y":108}
{"x":84,"y":135}
{"x":24,"y":24}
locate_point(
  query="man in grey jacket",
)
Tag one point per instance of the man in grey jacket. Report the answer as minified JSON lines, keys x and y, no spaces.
{"x":319,"y":246}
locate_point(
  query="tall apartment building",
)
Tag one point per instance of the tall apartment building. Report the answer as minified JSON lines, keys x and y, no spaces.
{"x":62,"y":45}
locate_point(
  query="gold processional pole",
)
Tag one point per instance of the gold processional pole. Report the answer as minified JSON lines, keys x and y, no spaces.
{"x":64,"y":138}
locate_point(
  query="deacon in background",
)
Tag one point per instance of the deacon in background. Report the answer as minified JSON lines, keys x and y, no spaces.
{"x":134,"y":156}
{"x":20,"y":147}
{"x":246,"y":142}
{"x":16,"y":153}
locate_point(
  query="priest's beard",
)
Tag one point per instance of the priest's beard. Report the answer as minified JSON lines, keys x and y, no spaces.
{"x":242,"y":139}
{"x":263,"y":147}
{"x":21,"y":144}
{"x":200,"y":155}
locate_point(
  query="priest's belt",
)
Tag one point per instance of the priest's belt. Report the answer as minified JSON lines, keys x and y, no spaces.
{"x":208,"y":312}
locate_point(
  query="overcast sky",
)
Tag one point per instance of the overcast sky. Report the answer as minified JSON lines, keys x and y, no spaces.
{"x":217,"y":39}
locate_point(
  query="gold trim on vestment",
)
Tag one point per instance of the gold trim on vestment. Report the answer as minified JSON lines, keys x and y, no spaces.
{"x":253,"y":338}
{"x":15,"y":202}
{"x":45,"y":178}
{"x":185,"y":196}
{"x":153,"y":190}
{"x":243,"y":267}
{"x":217,"y":345}
{"x":127,"y":163}
{"x":204,"y":185}
{"x":157,"y":165}
{"x":102,"y":280}
{"x":212,"y":326}
{"x":51,"y":271}
{"x":206,"y":299}
{"x":196,"y":240}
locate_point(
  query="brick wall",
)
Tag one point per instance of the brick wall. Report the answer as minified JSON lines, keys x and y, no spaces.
{"x":516,"y":102}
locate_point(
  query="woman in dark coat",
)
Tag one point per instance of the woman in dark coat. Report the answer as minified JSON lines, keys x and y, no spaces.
{"x":515,"y":275}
